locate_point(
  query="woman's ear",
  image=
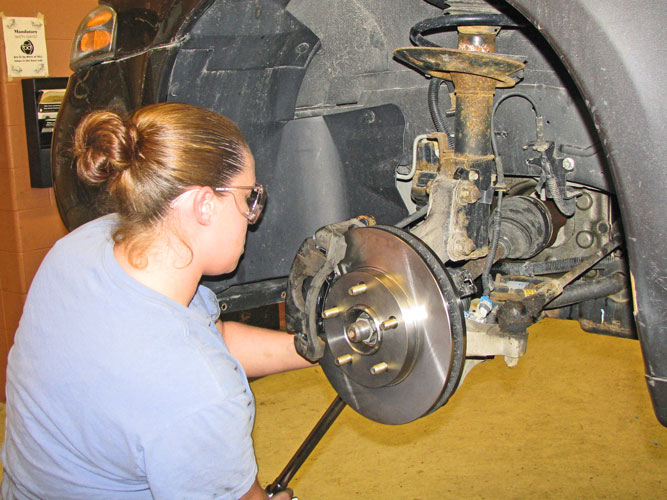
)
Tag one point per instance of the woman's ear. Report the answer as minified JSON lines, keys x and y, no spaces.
{"x":204,"y":205}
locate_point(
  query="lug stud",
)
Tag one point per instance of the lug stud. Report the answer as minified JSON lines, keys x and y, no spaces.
{"x":389,"y":324}
{"x":379,"y":368}
{"x":357,"y":289}
{"x":343,"y":360}
{"x":332,"y":312}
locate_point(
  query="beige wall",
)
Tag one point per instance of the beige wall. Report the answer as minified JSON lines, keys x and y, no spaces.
{"x":29,"y":221}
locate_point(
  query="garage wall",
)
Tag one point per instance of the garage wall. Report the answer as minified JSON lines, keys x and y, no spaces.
{"x":29,"y":221}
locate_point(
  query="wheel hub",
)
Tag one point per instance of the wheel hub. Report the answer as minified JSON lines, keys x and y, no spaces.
{"x":372,"y":340}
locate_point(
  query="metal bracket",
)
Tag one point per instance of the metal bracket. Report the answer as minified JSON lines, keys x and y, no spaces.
{"x":487,"y":339}
{"x":463,"y":282}
{"x":315,"y":261}
{"x":554,"y":173}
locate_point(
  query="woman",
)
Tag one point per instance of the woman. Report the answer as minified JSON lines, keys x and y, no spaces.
{"x":122,"y":383}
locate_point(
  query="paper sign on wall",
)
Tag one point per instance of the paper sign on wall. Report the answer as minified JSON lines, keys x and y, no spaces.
{"x":25,"y":46}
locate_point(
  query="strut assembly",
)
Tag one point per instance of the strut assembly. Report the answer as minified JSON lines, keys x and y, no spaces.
{"x":456,"y":228}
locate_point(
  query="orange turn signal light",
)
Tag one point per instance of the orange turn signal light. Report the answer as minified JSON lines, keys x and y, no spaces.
{"x":94,"y":41}
{"x":99,"y":19}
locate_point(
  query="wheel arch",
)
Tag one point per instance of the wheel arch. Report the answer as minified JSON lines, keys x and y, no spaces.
{"x":615,"y":67}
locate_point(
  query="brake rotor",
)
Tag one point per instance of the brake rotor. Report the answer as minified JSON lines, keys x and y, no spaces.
{"x":393,"y":327}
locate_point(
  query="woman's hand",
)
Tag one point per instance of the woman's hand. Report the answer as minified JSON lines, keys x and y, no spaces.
{"x":256,"y":492}
{"x":283,"y":495}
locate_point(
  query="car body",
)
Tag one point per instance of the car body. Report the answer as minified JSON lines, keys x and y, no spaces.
{"x":330,"y":115}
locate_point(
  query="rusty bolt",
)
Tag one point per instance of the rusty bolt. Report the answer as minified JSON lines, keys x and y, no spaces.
{"x":468,"y":194}
{"x":367,"y":220}
{"x":463,"y":245}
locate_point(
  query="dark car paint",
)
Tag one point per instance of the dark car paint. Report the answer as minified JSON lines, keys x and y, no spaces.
{"x":154,"y":23}
{"x":613,"y":65}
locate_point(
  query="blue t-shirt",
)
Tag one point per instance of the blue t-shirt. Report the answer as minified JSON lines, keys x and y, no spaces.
{"x":115,"y":391}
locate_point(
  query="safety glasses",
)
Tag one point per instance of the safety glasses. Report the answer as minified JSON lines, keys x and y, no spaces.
{"x":254,"y":200}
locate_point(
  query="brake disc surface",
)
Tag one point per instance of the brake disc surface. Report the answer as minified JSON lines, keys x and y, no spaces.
{"x":393,"y":327}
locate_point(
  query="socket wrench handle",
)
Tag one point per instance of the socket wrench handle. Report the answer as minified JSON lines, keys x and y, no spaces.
{"x":307,"y":446}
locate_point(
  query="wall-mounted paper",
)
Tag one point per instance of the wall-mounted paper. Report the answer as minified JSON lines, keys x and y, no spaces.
{"x":25,"y":46}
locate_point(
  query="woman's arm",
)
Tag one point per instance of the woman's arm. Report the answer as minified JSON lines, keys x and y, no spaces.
{"x":259,"y":350}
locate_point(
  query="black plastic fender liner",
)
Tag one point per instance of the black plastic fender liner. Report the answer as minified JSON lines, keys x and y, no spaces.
{"x":248,"y":63}
{"x":615,"y":67}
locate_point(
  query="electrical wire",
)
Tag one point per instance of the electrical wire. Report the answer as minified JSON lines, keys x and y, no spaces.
{"x":434,"y":109}
{"x":500,"y":186}
{"x":497,"y":220}
{"x":494,"y":145}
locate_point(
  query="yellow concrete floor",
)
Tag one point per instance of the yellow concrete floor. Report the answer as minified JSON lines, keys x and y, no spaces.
{"x":572,"y":421}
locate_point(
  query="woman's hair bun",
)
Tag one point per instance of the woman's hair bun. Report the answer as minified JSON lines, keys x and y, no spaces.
{"x":104,"y":146}
{"x":148,"y":158}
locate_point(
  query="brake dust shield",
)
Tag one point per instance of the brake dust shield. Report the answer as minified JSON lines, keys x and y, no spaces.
{"x":392,"y":325}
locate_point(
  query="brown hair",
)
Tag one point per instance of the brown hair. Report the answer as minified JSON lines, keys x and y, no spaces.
{"x":152,"y":156}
